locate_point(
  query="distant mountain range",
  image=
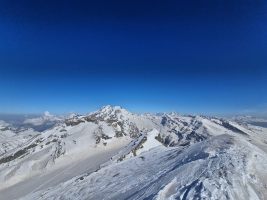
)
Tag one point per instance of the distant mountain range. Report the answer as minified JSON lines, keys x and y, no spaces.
{"x":115,"y":154}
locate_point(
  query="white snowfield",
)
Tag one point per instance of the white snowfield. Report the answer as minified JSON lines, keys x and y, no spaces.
{"x":115,"y":154}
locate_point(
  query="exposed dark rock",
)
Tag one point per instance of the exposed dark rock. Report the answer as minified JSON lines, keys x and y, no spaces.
{"x":139,"y":146}
{"x":17,"y":154}
{"x":72,"y":122}
{"x":232,"y":128}
{"x":164,"y":121}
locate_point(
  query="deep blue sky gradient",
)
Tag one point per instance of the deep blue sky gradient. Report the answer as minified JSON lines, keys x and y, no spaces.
{"x":205,"y":56}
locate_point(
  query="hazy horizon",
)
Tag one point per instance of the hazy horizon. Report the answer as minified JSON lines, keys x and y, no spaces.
{"x":38,"y":114}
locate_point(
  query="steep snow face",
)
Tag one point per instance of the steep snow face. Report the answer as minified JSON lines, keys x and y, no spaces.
{"x":134,"y":142}
{"x":150,"y":142}
{"x":145,"y":142}
{"x":53,"y":149}
{"x":216,"y":168}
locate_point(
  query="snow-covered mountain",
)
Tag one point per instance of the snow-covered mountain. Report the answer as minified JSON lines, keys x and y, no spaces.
{"x":115,"y":154}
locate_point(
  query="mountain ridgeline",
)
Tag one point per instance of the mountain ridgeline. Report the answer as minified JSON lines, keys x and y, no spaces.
{"x":171,"y":156}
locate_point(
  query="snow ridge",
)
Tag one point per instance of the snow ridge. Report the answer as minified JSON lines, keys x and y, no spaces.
{"x":158,"y":150}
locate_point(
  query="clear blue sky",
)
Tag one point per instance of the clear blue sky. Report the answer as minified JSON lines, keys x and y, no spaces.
{"x":188,"y":56}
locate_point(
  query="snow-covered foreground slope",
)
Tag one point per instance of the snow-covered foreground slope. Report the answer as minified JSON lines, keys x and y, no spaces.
{"x":53,"y":176}
{"x":218,"y":168}
{"x":166,"y":156}
{"x":51,"y":150}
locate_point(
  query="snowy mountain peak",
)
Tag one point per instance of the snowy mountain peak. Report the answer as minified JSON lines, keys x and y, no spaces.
{"x":158,"y":149}
{"x":110,"y":109}
{"x":114,"y":112}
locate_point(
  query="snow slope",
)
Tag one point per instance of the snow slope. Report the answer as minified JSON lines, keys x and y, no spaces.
{"x":52,"y":177}
{"x":213,"y":169}
{"x":170,"y":156}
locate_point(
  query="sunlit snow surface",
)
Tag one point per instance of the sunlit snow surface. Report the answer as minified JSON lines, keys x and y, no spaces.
{"x":213,"y":169}
{"x":114,"y":154}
